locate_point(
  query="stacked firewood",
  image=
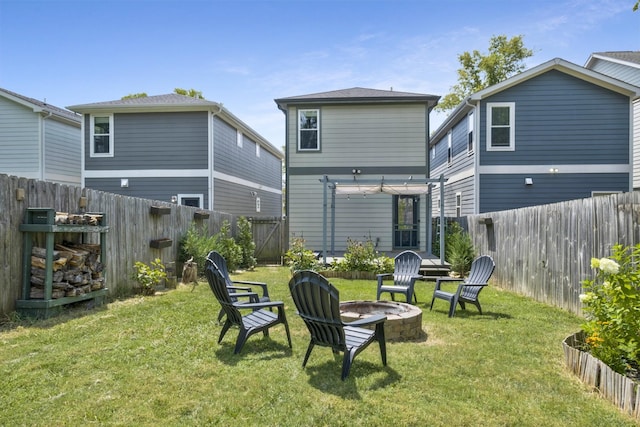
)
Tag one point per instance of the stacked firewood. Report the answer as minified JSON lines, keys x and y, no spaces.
{"x":77,"y":270}
{"x":63,"y":218}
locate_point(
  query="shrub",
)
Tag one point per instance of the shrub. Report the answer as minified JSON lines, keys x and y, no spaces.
{"x":149,"y":276}
{"x":226,"y":245}
{"x":364,"y":257}
{"x":196,"y":244}
{"x":246,"y":243}
{"x":612,"y":307}
{"x":299,"y":258}
{"x":459,"y":250}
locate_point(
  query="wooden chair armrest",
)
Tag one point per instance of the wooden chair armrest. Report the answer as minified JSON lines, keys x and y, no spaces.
{"x":446,"y":279}
{"x":239,"y":288}
{"x":265,"y":291}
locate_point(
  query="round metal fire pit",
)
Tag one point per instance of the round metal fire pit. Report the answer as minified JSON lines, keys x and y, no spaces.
{"x":404,"y":321}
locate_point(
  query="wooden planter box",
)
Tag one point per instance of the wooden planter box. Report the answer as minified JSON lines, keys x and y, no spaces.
{"x":618,"y":389}
{"x":160,"y":243}
{"x":200,"y":215}
{"x":159,"y":210}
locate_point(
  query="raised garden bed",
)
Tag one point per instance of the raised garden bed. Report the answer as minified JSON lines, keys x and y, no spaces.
{"x":619,"y":389}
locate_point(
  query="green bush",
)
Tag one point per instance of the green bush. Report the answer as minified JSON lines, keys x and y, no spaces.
{"x":299,"y":258}
{"x":196,"y":244}
{"x":364,"y":257}
{"x":246,"y":243}
{"x":226,"y":245}
{"x":459,"y":250}
{"x":612,"y":307}
{"x":149,"y":276}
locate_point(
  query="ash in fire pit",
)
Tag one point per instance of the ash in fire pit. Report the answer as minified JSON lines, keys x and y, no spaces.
{"x":404,"y":321}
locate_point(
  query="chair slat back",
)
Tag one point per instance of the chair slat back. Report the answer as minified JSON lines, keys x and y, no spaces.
{"x":406,"y":265}
{"x":218,"y":285}
{"x":318,"y":303}
{"x":480,"y":273}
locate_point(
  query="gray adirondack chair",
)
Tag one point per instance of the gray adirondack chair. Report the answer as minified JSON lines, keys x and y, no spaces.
{"x":318,"y":303}
{"x":468,"y":291}
{"x":406,"y":271}
{"x":247,"y":291}
{"x":259,"y":320}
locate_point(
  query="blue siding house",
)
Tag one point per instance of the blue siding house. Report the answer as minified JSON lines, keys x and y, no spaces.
{"x":181,"y":149}
{"x":38,"y":140}
{"x":555,"y":132}
{"x":625,"y":66}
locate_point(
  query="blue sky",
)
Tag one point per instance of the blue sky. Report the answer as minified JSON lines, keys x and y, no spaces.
{"x":245,"y":54}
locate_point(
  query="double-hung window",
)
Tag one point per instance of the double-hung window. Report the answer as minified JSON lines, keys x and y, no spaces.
{"x":101,"y":136}
{"x":470,"y":133}
{"x":449,"y":148}
{"x":501,"y":126}
{"x":308,"y":130}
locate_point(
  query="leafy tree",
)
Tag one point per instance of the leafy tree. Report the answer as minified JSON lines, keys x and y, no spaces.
{"x":478,"y":71}
{"x":190,"y":92}
{"x":135,"y":95}
{"x":636,"y":6}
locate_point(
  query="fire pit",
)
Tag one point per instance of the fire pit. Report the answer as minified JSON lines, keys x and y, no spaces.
{"x":404,"y":321}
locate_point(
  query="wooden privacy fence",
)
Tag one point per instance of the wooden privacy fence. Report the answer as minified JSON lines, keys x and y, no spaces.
{"x":545,"y":252}
{"x":139,"y":230}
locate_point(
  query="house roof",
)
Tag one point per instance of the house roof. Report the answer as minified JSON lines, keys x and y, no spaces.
{"x":41,"y":107}
{"x":555,"y":64}
{"x":626,"y":57}
{"x":174,"y":102}
{"x":358,"y":95}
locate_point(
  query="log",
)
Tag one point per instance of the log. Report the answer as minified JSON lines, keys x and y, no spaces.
{"x":42,"y":253}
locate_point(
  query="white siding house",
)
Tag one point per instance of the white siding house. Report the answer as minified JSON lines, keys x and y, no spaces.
{"x":342,"y":148}
{"x":625,"y":66}
{"x":38,"y":140}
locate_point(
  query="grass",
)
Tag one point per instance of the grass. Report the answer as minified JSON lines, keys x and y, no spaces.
{"x":155,"y":361}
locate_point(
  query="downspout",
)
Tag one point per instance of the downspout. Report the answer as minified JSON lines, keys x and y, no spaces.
{"x":212,"y":169}
{"x":43,"y":145}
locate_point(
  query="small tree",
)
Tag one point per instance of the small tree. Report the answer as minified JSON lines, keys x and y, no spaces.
{"x":478,"y":71}
{"x":247,"y":245}
{"x":300,"y":258}
{"x":226,"y":245}
{"x":190,"y":92}
{"x":459,"y":250}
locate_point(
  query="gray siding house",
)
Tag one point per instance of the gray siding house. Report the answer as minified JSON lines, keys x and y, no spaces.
{"x":625,"y":66}
{"x":357,"y":167}
{"x":38,"y":140}
{"x":555,"y":132}
{"x":182,"y":149}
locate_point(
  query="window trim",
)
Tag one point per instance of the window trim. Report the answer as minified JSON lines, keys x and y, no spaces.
{"x":317,"y":130}
{"x":257,"y":150}
{"x":512,"y":125}
{"x":92,"y":142}
{"x":458,"y":204}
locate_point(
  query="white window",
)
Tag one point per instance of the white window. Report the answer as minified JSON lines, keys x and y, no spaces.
{"x":193,"y":200}
{"x":433,"y":152}
{"x":308,"y":130}
{"x":458,"y":204}
{"x":470,"y":134}
{"x":257,"y":150}
{"x":257,"y":204}
{"x":501,"y":126}
{"x":101,"y":136}
{"x":449,"y":149}
{"x":239,"y":138}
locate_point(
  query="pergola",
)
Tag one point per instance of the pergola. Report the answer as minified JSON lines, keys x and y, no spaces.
{"x":355,"y":186}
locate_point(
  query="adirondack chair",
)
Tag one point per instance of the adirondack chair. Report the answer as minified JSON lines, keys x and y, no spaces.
{"x":259,"y":320}
{"x":468,"y":291}
{"x":406,"y":271}
{"x":219,"y":261}
{"x":318,"y":303}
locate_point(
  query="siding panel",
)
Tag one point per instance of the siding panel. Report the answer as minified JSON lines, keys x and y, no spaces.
{"x":19,"y":140}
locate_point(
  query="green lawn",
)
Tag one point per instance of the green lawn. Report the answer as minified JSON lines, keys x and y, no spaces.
{"x":156,"y":361}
